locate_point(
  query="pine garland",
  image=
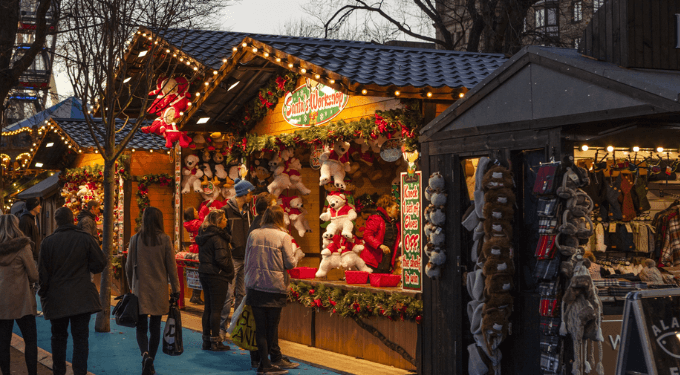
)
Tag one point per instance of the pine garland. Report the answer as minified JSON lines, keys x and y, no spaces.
{"x":356,"y":304}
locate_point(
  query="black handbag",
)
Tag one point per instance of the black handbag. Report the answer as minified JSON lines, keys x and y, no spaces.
{"x":172,"y":334}
{"x":126,"y":311}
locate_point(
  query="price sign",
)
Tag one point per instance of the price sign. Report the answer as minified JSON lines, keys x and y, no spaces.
{"x":411,"y":232}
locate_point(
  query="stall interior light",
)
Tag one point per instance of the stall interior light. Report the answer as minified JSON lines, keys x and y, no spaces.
{"x":610,"y":148}
{"x":203,"y":120}
{"x":461,"y":95}
{"x":49,"y":144}
{"x":636,"y":149}
{"x":38,"y":165}
{"x":126,"y":80}
{"x":584,"y":147}
{"x":332,"y":81}
{"x":143,"y":53}
{"x":364,"y":91}
{"x":659,"y":149}
{"x":429,"y":94}
{"x":233,"y":85}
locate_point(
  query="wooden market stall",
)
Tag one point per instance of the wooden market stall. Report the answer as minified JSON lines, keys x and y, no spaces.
{"x":269,"y":108}
{"x":614,"y":117}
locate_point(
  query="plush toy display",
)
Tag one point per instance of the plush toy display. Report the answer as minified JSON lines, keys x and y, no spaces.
{"x":435,"y":219}
{"x":281,"y":180}
{"x":340,"y":215}
{"x":349,"y":255}
{"x":341,"y":252}
{"x":261,"y":174}
{"x":172,"y":99}
{"x":297,"y":251}
{"x":293,"y":167}
{"x":330,"y":257}
{"x":294,"y":213}
{"x":205,"y":166}
{"x":192,"y":175}
{"x":334,"y":164}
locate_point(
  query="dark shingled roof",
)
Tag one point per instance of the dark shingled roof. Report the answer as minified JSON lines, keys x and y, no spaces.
{"x":361,"y":62}
{"x":78,"y":131}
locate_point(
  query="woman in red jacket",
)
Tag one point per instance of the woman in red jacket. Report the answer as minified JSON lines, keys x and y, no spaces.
{"x":382,"y":235}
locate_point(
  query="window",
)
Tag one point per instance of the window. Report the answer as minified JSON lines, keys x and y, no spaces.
{"x":597,"y":4}
{"x":578,"y":11}
{"x":540,"y":18}
{"x":577,"y":42}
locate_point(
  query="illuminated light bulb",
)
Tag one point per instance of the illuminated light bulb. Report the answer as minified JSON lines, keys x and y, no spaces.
{"x":174,"y":55}
{"x":303,"y":70}
{"x":332,"y":81}
{"x":317,"y":76}
{"x":224,"y":60}
{"x":584,"y":147}
{"x":278,"y":59}
{"x":133,"y":150}
{"x":610,"y":148}
{"x":188,"y":62}
{"x":266,"y":54}
{"x":461,"y":95}
{"x":214,"y":72}
{"x":659,"y":149}
{"x":244,"y":44}
{"x":198,"y":94}
{"x":364,"y":91}
{"x":207,"y":83}
{"x":195,"y":68}
{"x":235,"y":49}
{"x":150,"y":150}
{"x":167,"y":51}
{"x":397,"y":93}
{"x":636,"y":149}
{"x":254,"y":49}
{"x":181,"y":59}
{"x":290,"y":65}
{"x":181,"y":113}
{"x":429,"y":94}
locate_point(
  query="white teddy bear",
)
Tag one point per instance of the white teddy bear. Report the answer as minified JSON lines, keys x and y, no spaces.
{"x":281,"y":180}
{"x":350,"y":256}
{"x":335,"y":164}
{"x":293,"y":167}
{"x":295,"y":213}
{"x":298,"y":254}
{"x":192,"y":175}
{"x":340,"y":215}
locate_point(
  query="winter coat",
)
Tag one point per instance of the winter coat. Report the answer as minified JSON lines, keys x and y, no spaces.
{"x":237,"y":227}
{"x":148,"y":270}
{"x":87,"y":223}
{"x":269,"y":253}
{"x":257,"y":222}
{"x":214,"y":254}
{"x":17,"y":272}
{"x":374,"y":234}
{"x":193,"y":226}
{"x":67,"y":257}
{"x":30,"y":230}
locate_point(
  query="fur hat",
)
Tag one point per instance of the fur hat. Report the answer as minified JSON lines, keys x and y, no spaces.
{"x":498,"y":284}
{"x":498,"y":228}
{"x":497,"y":177}
{"x":494,"y":266}
{"x":497,"y":247}
{"x":498,"y":212}
{"x":502,"y":302}
{"x":495,"y":328}
{"x":504,"y":197}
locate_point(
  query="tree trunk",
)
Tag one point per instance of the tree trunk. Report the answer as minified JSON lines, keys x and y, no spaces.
{"x":103,"y":320}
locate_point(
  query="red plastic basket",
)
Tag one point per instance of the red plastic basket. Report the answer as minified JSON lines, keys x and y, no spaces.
{"x":302,"y":272}
{"x":356,"y":277}
{"x":384,"y":280}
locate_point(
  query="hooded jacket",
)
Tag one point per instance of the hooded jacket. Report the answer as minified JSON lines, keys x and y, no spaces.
{"x":17,"y":273}
{"x":87,"y":223}
{"x":67,"y":257}
{"x":269,"y":253}
{"x":374,"y":235}
{"x":214,"y":254}
{"x":237,"y":226}
{"x":30,"y":230}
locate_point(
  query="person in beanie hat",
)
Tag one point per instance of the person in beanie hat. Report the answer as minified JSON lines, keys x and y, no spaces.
{"x":238,"y":223}
{"x":28,"y":224}
{"x":68,"y":297}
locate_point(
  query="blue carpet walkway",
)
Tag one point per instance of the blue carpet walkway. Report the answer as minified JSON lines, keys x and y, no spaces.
{"x":116,"y":352}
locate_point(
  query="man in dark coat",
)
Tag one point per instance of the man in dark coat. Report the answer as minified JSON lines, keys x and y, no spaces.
{"x":238,"y":222}
{"x":67,"y":257}
{"x":27,"y":224}
{"x":86,"y":219}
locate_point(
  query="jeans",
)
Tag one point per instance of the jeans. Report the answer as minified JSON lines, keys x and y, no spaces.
{"x":267,"y":334}
{"x":28,"y":331}
{"x":80,"y":331}
{"x":214,"y":292}
{"x":237,"y":290}
{"x":153,"y":325}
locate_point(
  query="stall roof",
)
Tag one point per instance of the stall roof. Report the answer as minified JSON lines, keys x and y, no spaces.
{"x":544,"y":87}
{"x":78,"y":131}
{"x":42,"y":189}
{"x":68,"y":108}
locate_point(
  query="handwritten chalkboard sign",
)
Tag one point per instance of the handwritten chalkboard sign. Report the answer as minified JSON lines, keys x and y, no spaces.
{"x":650,"y":341}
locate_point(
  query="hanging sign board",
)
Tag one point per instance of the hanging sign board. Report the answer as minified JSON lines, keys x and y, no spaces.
{"x":312,"y":104}
{"x":650,"y":340}
{"x":411,"y":229}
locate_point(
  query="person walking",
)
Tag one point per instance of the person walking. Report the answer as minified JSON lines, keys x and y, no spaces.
{"x":28,"y":224}
{"x":150,"y":265}
{"x":67,"y":257}
{"x":215,"y":272}
{"x":87,"y":218}
{"x":269,"y":254}
{"x":17,"y":299}
{"x":382,"y":235}
{"x":238,"y":216}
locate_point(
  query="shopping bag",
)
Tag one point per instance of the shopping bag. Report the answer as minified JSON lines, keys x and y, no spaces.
{"x":126,"y":311}
{"x":172,"y":334}
{"x":235,"y":316}
{"x":243,"y":333}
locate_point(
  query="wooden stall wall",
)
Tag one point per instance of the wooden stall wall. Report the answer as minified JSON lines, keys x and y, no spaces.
{"x":90,"y":159}
{"x":143,"y":163}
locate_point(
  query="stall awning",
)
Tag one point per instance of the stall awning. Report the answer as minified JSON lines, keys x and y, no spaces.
{"x":42,"y":189}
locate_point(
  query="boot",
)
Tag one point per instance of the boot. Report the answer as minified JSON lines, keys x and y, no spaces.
{"x":196,"y":297}
{"x":206,"y":342}
{"x":216,"y":344}
{"x":147,"y":365}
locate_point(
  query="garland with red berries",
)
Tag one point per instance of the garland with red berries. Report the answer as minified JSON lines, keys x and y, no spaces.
{"x":143,"y":182}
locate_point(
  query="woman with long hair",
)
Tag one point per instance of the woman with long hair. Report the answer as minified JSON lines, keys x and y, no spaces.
{"x":382,"y":236}
{"x":215,"y":272}
{"x":151,"y":263}
{"x":269,"y":254}
{"x":17,"y":298}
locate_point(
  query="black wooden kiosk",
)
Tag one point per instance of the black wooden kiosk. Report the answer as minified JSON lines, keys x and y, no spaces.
{"x":539,"y":105}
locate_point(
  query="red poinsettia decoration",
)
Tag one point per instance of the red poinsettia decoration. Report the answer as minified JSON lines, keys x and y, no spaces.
{"x":143,"y":189}
{"x":280,"y":83}
{"x":381,"y":123}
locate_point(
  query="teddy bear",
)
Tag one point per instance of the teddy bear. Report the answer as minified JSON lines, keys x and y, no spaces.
{"x":330,"y":257}
{"x":281,"y":180}
{"x":334,"y":164}
{"x":349,"y":255}
{"x":211,"y":191}
{"x":292,"y":169}
{"x":205,"y":166}
{"x":197,"y":142}
{"x":295,"y":213}
{"x":261,"y":174}
{"x":298,"y":254}
{"x":192,"y":175}
{"x":340,"y":215}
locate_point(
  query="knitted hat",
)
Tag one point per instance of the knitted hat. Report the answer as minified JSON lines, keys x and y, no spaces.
{"x":63,"y":216}
{"x":32,"y":203}
{"x":243,"y":187}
